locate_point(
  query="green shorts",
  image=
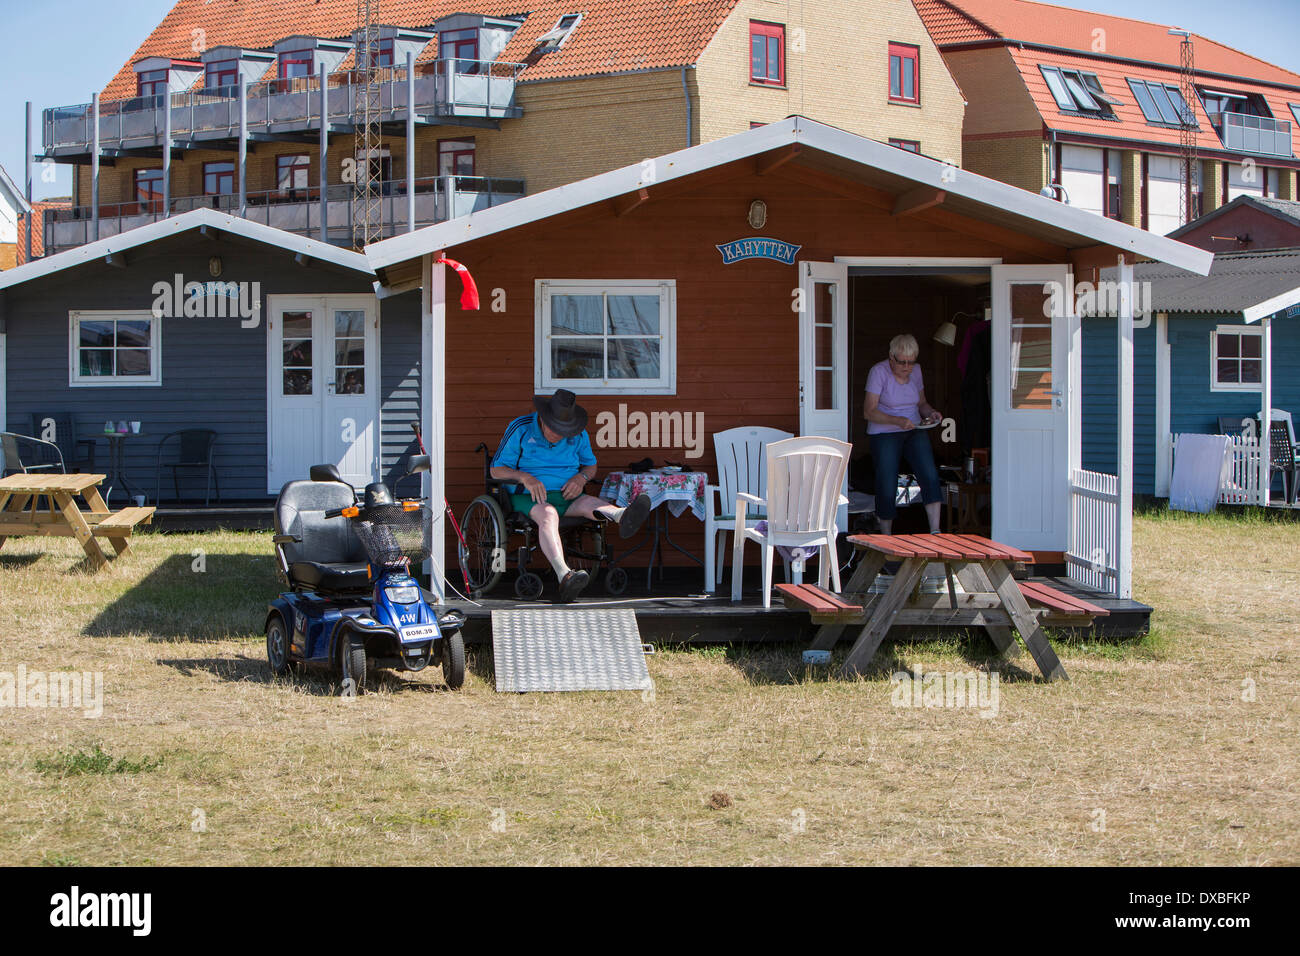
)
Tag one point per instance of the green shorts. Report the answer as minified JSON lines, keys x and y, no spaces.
{"x":525,"y":503}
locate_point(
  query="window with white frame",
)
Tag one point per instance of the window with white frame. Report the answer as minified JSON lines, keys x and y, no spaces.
{"x":114,"y":348}
{"x":613,"y":336}
{"x":1237,"y":359}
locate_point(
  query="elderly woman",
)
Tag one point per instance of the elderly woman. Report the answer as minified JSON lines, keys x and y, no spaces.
{"x":895,"y":405}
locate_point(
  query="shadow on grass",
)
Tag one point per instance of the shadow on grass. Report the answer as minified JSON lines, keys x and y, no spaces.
{"x":782,"y":664}
{"x":193,"y":597}
{"x":14,"y":562}
{"x":319,"y":680}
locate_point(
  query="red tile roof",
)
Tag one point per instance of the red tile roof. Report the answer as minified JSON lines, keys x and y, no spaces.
{"x":1131,"y":123}
{"x":966,"y":21}
{"x":38,"y":228}
{"x":614,"y":35}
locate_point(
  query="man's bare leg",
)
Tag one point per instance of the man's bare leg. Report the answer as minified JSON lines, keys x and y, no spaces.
{"x":547,"y":520}
{"x":589,"y":506}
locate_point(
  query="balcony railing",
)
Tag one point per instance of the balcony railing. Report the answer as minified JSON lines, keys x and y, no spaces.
{"x":443,"y":89}
{"x":437,"y":199}
{"x":1244,"y":133}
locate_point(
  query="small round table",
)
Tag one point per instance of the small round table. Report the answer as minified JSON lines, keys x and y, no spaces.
{"x":117,"y":463}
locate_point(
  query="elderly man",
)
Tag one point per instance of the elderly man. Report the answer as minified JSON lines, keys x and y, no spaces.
{"x":548,"y":455}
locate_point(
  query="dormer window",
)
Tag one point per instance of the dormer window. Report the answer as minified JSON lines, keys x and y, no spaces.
{"x":295,"y":63}
{"x":460,"y":46}
{"x":221,"y":74}
{"x":555,"y":37}
{"x":152,"y":82}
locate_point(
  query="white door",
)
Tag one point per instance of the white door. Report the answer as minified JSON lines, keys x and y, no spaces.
{"x":323,"y":387}
{"x":1031,"y":393}
{"x":824,"y":353}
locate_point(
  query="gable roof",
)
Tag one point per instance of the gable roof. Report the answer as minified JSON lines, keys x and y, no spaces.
{"x":615,"y":36}
{"x":953,"y":22}
{"x":1251,"y":284}
{"x":13,"y":195}
{"x":1287,"y":210}
{"x":38,"y":228}
{"x":176,"y":225}
{"x":847,"y":154}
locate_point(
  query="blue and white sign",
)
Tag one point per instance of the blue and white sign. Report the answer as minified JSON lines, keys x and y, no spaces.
{"x":758,"y":247}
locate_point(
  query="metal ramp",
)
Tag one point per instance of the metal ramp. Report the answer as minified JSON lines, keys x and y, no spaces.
{"x":559,"y":649}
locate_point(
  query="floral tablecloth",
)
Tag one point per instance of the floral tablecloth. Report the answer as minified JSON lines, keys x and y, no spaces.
{"x":681,"y":490}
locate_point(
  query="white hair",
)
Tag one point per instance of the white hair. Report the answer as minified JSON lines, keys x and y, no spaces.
{"x":904,"y":346}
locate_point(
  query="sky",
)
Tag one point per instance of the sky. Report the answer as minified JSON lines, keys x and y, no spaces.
{"x":71,"y":48}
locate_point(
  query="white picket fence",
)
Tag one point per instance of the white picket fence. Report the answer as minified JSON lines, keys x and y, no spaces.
{"x":1241,"y":484}
{"x":1092,"y":560}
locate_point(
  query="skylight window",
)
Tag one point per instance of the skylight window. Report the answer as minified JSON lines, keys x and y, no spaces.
{"x":1162,"y":103}
{"x":555,"y":37}
{"x":1077,"y":92}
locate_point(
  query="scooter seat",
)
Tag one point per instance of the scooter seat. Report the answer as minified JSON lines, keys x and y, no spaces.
{"x":339,"y":576}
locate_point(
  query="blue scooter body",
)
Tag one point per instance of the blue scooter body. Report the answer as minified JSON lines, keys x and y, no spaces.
{"x":399,"y":627}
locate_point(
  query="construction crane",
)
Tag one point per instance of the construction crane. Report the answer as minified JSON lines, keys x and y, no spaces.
{"x":1187,"y":199}
{"x":367,"y":201}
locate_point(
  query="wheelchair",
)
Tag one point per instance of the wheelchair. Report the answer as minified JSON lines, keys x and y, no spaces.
{"x":490,"y":524}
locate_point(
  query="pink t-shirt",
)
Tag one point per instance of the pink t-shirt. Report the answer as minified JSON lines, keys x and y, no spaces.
{"x":896,"y":398}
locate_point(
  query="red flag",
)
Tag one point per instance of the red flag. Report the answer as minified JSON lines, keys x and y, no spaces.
{"x":469,"y":291}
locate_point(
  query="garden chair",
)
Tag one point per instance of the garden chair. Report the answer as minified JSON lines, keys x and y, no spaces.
{"x":22,"y":455}
{"x":742,"y":466}
{"x":78,"y":453}
{"x":1283,"y":455}
{"x":805,"y":478}
{"x":193,"y":454}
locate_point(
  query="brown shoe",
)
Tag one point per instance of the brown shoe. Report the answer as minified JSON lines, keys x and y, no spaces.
{"x":574,"y":583}
{"x":634,"y":516}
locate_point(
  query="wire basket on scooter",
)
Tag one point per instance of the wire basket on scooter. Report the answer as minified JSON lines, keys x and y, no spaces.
{"x":391,"y":534}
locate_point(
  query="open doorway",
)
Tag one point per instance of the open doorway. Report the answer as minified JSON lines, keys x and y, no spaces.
{"x":945,"y":310}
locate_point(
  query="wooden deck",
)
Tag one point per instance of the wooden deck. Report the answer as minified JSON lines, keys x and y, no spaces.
{"x":680,"y":613}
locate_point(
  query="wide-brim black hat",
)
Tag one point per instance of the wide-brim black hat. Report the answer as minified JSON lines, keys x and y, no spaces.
{"x":561,"y":413}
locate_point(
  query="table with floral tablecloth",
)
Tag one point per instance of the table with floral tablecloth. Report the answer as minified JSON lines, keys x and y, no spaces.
{"x":680,"y":490}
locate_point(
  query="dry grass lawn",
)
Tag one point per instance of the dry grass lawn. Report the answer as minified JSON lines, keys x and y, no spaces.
{"x":1180,"y":748}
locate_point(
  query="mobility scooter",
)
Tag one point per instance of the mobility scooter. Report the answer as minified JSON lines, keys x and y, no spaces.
{"x":350,"y":600}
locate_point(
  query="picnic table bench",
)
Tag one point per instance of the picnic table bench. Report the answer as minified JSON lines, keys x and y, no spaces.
{"x":990,"y":597}
{"x":20,"y":514}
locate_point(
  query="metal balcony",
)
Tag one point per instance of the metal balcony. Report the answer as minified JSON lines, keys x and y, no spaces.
{"x":1261,"y":135}
{"x":471,"y":92}
{"x":437,"y":199}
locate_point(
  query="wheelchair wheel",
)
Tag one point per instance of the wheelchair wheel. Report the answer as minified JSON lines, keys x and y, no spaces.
{"x":484,"y":527}
{"x":528,"y":586}
{"x":616,"y":580}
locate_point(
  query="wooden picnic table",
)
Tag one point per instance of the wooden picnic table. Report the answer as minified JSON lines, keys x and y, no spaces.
{"x":990,"y":597}
{"x":20,"y":514}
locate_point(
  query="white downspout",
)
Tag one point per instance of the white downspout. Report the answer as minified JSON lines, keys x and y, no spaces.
{"x":433,"y":386}
{"x":1164,"y":409}
{"x":1124,"y":459}
{"x":1266,"y":419}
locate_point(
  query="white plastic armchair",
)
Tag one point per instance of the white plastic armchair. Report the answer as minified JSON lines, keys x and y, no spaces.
{"x":742,"y":467}
{"x":805,"y":479}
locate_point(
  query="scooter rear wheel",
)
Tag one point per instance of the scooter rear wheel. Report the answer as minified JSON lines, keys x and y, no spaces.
{"x":277,"y":646}
{"x":352,"y":665}
{"x":453,"y":660}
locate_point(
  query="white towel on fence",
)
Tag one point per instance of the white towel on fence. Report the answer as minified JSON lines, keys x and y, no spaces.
{"x":1200,"y":470}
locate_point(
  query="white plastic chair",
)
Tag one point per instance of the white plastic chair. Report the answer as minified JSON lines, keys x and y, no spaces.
{"x":742,"y":466}
{"x":804,"y":481}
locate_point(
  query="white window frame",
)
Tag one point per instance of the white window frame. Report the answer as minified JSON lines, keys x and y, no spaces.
{"x":77,"y":380}
{"x":666,"y":289}
{"x":1241,"y":331}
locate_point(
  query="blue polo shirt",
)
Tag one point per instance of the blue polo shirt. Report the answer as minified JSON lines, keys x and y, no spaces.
{"x":525,"y":447}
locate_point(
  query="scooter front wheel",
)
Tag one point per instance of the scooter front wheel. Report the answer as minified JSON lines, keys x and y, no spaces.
{"x":453,"y":660}
{"x":352,"y":665}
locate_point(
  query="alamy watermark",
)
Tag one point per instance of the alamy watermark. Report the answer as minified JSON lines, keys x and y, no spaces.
{"x":626,"y":429}
{"x":208,"y":300}
{"x":975,"y":689}
{"x":24,"y":689}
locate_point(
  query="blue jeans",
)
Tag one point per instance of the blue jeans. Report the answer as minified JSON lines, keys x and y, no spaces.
{"x":887,"y":448}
